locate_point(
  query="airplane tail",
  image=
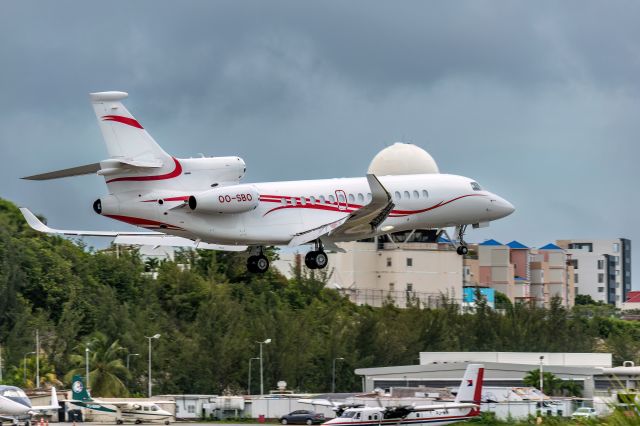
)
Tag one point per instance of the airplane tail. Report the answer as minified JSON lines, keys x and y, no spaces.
{"x":79,"y":391}
{"x":470,"y":390}
{"x":123,"y":134}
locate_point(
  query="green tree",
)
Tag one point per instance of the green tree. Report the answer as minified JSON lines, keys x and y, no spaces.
{"x":107,"y":372}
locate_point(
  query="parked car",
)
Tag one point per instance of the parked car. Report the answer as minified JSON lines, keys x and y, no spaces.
{"x":302,"y":417}
{"x":584,"y":413}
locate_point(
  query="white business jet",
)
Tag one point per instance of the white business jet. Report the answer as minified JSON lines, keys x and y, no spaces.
{"x":200,"y":202}
{"x":15,"y":405}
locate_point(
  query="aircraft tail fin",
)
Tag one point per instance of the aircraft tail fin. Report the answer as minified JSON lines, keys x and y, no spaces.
{"x":470,"y":390}
{"x":79,"y":391}
{"x":123,"y":134}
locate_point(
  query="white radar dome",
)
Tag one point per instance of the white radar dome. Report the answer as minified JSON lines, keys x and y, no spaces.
{"x":402,"y":159}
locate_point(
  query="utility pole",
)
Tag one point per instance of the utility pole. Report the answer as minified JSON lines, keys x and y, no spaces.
{"x":86,"y":366}
{"x":249,"y":383}
{"x":267,"y":341}
{"x":541,"y":384}
{"x":155,"y":336}
{"x":37,"y":359}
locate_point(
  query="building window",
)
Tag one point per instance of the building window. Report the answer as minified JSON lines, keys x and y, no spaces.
{"x":600,"y":264}
{"x":600,"y":289}
{"x":575,"y":278}
{"x":191,"y":408}
{"x":409,"y":287}
{"x":392,"y":287}
{"x":616,"y":247}
{"x":409,"y":261}
{"x":388,"y":262}
{"x":600,"y":278}
{"x":575,"y":263}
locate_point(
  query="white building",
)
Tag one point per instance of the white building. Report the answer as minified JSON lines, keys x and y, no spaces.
{"x":378,"y":270}
{"x":602,"y":268}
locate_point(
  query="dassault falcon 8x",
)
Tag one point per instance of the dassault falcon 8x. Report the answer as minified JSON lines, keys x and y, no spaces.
{"x":201,"y":203}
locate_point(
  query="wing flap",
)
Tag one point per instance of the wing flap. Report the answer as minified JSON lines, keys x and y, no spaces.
{"x":173,"y":241}
{"x":87,"y":169}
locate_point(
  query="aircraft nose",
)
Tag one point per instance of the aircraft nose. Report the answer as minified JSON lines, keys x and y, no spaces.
{"x":500,"y":206}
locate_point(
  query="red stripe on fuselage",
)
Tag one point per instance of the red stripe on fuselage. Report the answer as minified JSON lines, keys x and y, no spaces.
{"x":124,"y":120}
{"x":137,"y":221}
{"x":177,"y":171}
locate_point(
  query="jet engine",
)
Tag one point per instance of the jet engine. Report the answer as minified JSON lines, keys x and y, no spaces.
{"x":230,"y":199}
{"x":106,"y":205}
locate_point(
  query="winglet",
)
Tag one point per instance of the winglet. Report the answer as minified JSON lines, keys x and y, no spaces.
{"x":34,"y":222}
{"x":377,"y":189}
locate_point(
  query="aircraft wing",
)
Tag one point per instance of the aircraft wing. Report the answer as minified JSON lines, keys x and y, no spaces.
{"x":362,"y":221}
{"x":129,"y":238}
{"x":432,"y":407}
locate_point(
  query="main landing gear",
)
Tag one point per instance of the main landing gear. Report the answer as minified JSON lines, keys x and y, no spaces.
{"x":317,"y":258}
{"x":258,"y":263}
{"x":462,"y":249}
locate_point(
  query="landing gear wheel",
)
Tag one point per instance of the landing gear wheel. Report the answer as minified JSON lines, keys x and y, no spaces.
{"x":167,"y":422}
{"x":310,"y":260}
{"x":321,"y":260}
{"x":261,"y":264}
{"x":462,"y":250}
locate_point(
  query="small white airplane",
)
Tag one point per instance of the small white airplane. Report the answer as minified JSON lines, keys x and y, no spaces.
{"x":132,"y":410}
{"x":200,"y":202}
{"x":15,"y":405}
{"x":465,"y":406}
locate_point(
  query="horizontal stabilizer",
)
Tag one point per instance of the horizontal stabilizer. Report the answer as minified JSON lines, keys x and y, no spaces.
{"x":73,"y":171}
{"x":112,"y":165}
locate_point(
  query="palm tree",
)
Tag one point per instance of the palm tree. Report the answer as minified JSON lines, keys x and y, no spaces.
{"x":26,"y":378}
{"x":552,"y":384}
{"x":107,"y":373}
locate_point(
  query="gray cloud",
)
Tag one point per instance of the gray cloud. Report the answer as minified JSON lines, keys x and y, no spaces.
{"x":536,"y":100}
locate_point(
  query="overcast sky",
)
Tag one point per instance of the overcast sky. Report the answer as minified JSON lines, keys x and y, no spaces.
{"x":538,"y":101}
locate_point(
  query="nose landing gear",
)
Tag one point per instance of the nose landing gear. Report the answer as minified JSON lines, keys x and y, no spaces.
{"x":316,"y":259}
{"x":462,"y":249}
{"x":258,"y":263}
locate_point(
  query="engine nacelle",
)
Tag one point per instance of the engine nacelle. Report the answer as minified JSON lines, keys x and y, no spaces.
{"x":106,"y":205}
{"x":230,"y":199}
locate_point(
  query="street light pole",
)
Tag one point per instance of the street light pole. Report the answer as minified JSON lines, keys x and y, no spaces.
{"x":333,"y":376}
{"x":541,"y":384}
{"x":128,"y":356}
{"x":155,"y":336}
{"x":267,"y":341}
{"x":249,"y":383}
{"x":86,"y":366}
{"x":37,"y":359}
{"x":24,"y":367}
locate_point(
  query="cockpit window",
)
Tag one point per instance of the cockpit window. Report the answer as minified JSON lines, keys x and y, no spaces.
{"x":13,"y":393}
{"x":476,"y":186}
{"x":154,"y":407}
{"x":348,"y":414}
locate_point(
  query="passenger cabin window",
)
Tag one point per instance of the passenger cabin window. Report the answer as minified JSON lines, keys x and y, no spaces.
{"x":425,"y":193}
{"x":332,"y":199}
{"x":407,"y":195}
{"x":312,"y":199}
{"x":475,"y":186}
{"x":357,"y":416}
{"x":397,"y":195}
{"x":341,"y":197}
{"x":369,"y":196}
{"x":283,"y":201}
{"x":154,"y":408}
{"x":146,"y":408}
{"x":293,"y":201}
{"x":416,"y":194}
{"x":360,"y":198}
{"x":303,"y":201}
{"x":322,"y":200}
{"x":352,"y":198}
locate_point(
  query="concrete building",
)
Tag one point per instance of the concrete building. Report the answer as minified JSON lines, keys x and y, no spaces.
{"x":602,"y":268}
{"x":593,"y":371}
{"x":372,"y":272}
{"x":522,"y":273}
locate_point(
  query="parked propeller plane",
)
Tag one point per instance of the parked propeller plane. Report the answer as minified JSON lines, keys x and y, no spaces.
{"x":132,"y":410}
{"x":201,"y":203}
{"x":465,"y":406}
